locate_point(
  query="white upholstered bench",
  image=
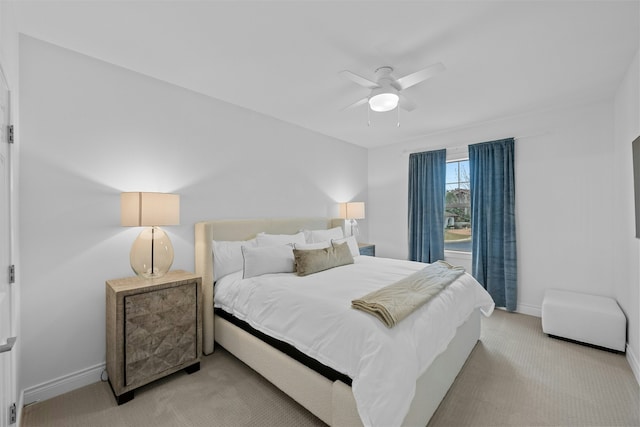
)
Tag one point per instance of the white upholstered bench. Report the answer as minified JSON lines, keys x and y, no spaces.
{"x":586,"y":318}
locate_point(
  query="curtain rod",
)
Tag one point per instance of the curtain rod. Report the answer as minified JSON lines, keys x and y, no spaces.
{"x":464,"y":147}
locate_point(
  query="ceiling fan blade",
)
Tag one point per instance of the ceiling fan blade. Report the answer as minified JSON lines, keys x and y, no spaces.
{"x":356,"y":104}
{"x":406,"y":103}
{"x":359,"y":79}
{"x":420,"y":76}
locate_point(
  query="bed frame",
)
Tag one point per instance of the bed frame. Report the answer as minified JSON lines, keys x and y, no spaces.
{"x":331,"y":401}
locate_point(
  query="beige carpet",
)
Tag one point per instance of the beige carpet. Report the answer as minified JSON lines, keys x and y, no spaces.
{"x":516,"y":376}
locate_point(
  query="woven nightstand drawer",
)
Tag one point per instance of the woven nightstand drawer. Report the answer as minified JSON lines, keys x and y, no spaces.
{"x":160,"y":331}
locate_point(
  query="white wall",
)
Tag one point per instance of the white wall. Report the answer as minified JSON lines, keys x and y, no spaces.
{"x":9,"y":43}
{"x":627,"y":247}
{"x":91,"y":130}
{"x":564,"y":197}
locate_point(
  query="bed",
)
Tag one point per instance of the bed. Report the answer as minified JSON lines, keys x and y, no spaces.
{"x":330,"y":399}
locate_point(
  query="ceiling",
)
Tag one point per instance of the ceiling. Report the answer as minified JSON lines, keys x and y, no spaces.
{"x":283,"y":59}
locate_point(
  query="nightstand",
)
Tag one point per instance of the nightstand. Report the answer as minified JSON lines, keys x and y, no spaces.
{"x":367,"y":249}
{"x":154,"y":328}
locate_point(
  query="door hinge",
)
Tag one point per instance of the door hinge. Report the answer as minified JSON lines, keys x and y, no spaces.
{"x":10,"y":134}
{"x":12,"y":274}
{"x":12,"y":414}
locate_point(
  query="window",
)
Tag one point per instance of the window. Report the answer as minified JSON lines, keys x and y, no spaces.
{"x":457,"y":209}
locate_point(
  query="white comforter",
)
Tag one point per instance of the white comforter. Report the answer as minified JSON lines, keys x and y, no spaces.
{"x":314,"y":314}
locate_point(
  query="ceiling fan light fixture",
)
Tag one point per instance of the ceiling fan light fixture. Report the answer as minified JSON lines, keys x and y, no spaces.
{"x":383,"y":101}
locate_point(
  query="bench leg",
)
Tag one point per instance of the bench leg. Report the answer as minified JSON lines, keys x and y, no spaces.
{"x":610,"y":350}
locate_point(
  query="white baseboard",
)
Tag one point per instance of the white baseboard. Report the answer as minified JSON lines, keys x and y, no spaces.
{"x":632,"y":358}
{"x":529,"y":309}
{"x":63,"y":384}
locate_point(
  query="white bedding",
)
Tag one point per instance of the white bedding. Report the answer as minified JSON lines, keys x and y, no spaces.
{"x":314,"y":314}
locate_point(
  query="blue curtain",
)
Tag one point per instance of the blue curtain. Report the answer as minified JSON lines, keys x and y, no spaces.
{"x":493,"y":220}
{"x":427,"y":174}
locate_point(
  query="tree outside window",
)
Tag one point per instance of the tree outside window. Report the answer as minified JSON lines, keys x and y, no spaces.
{"x":457,"y":215}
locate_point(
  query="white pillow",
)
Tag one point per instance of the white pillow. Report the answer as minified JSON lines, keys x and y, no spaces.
{"x":259,"y":260}
{"x":353,"y":244}
{"x":227,"y":256}
{"x":279,"y":239}
{"x":315,"y":236}
{"x":308,"y":246}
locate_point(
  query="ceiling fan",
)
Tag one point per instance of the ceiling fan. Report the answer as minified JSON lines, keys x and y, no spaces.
{"x":385,"y":90}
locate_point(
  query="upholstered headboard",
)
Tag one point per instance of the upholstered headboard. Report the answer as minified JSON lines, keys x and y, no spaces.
{"x":239,"y":229}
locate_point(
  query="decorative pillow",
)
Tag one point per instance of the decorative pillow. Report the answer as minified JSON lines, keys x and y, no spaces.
{"x":315,"y":260}
{"x":316,"y":236}
{"x":308,"y":246}
{"x":265,"y":239}
{"x":351,"y":241}
{"x":227,"y":256}
{"x":259,"y":260}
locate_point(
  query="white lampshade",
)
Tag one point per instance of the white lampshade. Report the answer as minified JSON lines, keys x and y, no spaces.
{"x":149,"y":209}
{"x":354,"y":210}
{"x":152,"y":252}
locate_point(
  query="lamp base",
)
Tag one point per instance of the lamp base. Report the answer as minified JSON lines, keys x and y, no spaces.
{"x":152,"y":253}
{"x":353,"y":229}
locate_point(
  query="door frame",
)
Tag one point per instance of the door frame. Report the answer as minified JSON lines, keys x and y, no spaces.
{"x":9,"y":359}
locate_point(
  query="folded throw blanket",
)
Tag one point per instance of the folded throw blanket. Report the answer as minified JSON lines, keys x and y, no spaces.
{"x":393,"y":303}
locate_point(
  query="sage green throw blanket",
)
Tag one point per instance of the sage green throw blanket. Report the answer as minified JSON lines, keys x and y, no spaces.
{"x":393,"y":303}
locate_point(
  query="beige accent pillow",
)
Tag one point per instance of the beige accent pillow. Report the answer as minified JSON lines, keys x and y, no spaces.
{"x":353,"y":244}
{"x":308,"y":246}
{"x":315,"y":260}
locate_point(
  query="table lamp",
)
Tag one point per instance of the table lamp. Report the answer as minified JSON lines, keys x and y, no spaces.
{"x":354,"y":211}
{"x":152,"y":252}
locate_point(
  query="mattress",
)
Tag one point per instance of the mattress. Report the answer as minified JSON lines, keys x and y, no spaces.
{"x":314,"y":315}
